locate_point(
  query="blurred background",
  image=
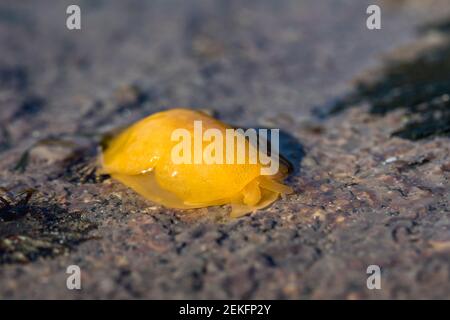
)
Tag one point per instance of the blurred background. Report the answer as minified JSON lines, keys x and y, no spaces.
{"x":367,"y":114}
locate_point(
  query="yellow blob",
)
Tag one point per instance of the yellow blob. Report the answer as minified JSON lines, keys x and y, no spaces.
{"x":141,"y":157}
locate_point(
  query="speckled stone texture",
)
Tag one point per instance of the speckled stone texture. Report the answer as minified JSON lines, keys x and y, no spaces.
{"x":362,"y":196}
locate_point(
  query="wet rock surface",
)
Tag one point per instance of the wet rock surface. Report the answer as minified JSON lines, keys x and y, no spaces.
{"x":372,"y":167}
{"x":420,"y":85}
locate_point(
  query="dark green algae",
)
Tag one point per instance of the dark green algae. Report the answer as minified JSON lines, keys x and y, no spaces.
{"x":419,"y":86}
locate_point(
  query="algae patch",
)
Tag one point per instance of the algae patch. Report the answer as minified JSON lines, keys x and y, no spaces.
{"x":420,"y":87}
{"x":30,"y":230}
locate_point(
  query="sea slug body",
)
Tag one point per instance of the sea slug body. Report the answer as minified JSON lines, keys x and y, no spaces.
{"x":141,"y":157}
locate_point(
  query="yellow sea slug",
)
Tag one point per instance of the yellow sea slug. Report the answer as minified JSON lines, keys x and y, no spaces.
{"x":161,"y":158}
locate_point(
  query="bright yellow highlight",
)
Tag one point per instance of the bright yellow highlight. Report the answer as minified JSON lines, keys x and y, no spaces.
{"x":140,"y":157}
